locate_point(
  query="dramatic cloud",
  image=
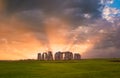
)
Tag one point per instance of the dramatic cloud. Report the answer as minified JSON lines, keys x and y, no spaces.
{"x":68,"y":8}
{"x":89,"y":27}
{"x":111,"y":10}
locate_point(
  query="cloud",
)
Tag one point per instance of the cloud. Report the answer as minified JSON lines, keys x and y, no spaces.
{"x":108,"y":46}
{"x":2,"y":6}
{"x":110,"y":12}
{"x":73,"y":10}
{"x":31,"y":26}
{"x":110,"y":52}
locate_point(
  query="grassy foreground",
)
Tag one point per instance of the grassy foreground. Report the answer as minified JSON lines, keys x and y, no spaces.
{"x":96,"y":68}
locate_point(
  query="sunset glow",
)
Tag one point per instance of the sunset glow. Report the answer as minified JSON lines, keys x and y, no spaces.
{"x":25,"y":45}
{"x":90,"y":28}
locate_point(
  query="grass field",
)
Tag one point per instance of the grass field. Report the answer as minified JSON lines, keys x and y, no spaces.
{"x":92,"y":68}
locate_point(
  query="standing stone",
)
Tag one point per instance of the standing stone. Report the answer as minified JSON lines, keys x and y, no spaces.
{"x":68,"y":55}
{"x":77,"y":56}
{"x":71,"y":56}
{"x":58,"y":56}
{"x":49,"y":55}
{"x":39,"y":56}
{"x":44,"y":56}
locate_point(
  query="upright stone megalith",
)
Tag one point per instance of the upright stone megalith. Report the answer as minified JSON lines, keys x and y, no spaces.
{"x":49,"y":55}
{"x":44,"y":56}
{"x":39,"y":56}
{"x":68,"y":55}
{"x":58,"y":56}
{"x":77,"y":56}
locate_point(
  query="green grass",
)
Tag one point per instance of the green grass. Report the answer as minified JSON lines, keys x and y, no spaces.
{"x":92,"y":68}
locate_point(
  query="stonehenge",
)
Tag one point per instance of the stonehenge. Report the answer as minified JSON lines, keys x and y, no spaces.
{"x":58,"y":56}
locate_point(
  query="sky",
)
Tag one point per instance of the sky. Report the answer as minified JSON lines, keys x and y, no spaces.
{"x":88,"y":27}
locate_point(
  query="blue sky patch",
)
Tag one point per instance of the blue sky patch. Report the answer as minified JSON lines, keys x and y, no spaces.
{"x":115,"y":4}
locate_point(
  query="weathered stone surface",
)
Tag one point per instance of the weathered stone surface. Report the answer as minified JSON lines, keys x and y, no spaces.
{"x":77,"y":56}
{"x":39,"y":56}
{"x":71,"y":56}
{"x":49,"y":56}
{"x":44,"y":56}
{"x":58,"y":56}
{"x":68,"y":55}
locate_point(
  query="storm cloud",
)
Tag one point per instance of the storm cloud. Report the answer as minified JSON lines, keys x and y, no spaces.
{"x":75,"y":25}
{"x":65,"y":8}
